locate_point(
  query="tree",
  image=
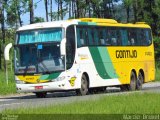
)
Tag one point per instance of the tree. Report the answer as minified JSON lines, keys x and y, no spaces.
{"x":61,"y":9}
{"x":135,"y":9}
{"x":13,"y":13}
{"x":31,"y":11}
{"x":2,"y":21}
{"x":156,"y":10}
{"x":107,"y":7}
{"x":151,"y":16}
{"x":46,"y":9}
{"x":38,"y":19}
{"x":51,"y":12}
{"x":127,"y":4}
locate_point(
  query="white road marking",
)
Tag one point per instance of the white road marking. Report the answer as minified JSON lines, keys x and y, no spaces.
{"x":1,"y":100}
{"x":11,"y":104}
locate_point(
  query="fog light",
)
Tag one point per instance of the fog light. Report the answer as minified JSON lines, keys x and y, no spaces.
{"x":59,"y":79}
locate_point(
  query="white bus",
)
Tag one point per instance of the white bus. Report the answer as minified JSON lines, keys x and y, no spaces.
{"x":83,"y":55}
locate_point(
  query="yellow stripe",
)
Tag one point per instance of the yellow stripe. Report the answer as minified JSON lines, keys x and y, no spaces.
{"x":31,"y":79}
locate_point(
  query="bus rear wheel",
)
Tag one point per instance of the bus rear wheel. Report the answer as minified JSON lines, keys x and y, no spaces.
{"x":132,"y":85}
{"x":140,"y":80}
{"x":41,"y":94}
{"x":84,"y":86}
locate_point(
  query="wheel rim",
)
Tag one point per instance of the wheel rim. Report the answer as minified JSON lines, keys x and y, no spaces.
{"x":84,"y":86}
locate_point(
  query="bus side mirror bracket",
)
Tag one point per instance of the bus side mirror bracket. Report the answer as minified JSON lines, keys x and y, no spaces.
{"x":63,"y":47}
{"x":6,"y":51}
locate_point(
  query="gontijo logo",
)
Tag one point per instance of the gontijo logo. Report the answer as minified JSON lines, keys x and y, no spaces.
{"x":126,"y":54}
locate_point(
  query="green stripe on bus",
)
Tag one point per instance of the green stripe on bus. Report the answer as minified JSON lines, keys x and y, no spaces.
{"x":50,"y":76}
{"x":100,"y":67}
{"x":103,"y":62}
{"x":107,"y":62}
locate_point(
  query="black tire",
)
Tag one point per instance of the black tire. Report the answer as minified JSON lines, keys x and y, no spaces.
{"x":84,"y":86}
{"x":101,"y":89}
{"x":124,"y":88}
{"x":139,"y":82}
{"x":133,"y":79}
{"x":97,"y":90}
{"x":41,"y":94}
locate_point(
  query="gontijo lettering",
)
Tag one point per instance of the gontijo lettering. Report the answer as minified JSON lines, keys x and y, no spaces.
{"x":126,"y":54}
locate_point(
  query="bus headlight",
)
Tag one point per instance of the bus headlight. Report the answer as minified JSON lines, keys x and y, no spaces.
{"x":20,"y":82}
{"x":59,"y":79}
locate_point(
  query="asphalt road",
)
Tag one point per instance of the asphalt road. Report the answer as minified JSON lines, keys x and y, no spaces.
{"x":30,"y":100}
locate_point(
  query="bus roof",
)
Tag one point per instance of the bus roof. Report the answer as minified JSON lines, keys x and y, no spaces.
{"x":52,"y":24}
{"x":83,"y":21}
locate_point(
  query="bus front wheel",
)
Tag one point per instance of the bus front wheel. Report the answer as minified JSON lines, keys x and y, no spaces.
{"x":84,"y":86}
{"x":41,"y":94}
{"x":132,"y":85}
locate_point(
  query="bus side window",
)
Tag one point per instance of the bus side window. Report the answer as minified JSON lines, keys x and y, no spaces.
{"x":124,"y":36}
{"x":107,"y":36}
{"x":119,"y":40}
{"x":96,"y":37}
{"x":101,"y":36}
{"x":81,"y":37}
{"x":113,"y":37}
{"x":78,"y":38}
{"x":141,"y":37}
{"x":135,"y":36}
{"x":90,"y":36}
{"x":147,"y":36}
{"x":93,"y":36}
{"x":132,"y":37}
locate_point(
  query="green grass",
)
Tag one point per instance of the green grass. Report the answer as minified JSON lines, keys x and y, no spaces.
{"x":157,"y":77}
{"x":4,"y":88}
{"x":134,"y":103}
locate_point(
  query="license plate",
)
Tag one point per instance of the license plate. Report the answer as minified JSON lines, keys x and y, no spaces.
{"x":38,"y":87}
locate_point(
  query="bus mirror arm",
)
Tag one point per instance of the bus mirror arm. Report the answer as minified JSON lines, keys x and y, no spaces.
{"x":6,"y":51}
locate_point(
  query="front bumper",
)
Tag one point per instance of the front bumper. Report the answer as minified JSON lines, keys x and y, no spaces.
{"x":50,"y":86}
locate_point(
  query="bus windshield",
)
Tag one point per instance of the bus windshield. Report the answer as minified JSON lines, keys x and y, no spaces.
{"x":38,"y":51}
{"x":38,"y":58}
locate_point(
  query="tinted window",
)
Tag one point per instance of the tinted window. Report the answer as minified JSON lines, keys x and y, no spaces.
{"x":70,"y":46}
{"x":124,"y":36}
{"x":103,"y":36}
{"x":92,"y":34}
{"x":132,"y":41}
{"x":148,"y":38}
{"x":113,"y":36}
{"x":82,"y":36}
